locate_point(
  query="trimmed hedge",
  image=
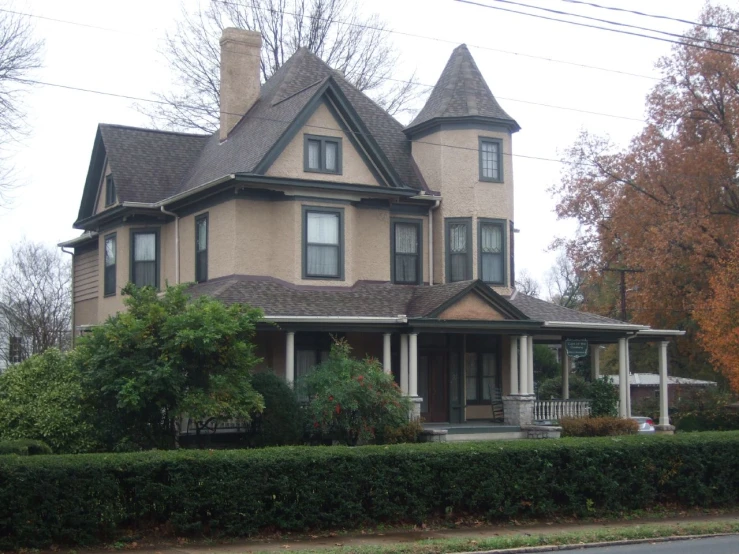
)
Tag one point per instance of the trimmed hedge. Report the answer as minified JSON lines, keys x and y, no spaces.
{"x":91,"y":497}
{"x":597,"y":426}
{"x":24,"y":447}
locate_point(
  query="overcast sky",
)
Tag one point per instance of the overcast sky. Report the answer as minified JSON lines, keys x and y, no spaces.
{"x":51,"y":164}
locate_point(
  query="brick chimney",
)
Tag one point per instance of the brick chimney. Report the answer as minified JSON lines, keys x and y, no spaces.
{"x":240,"y":51}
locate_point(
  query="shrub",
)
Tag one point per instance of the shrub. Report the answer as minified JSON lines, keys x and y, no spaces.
{"x":603,"y":397}
{"x":93,"y":497}
{"x":41,"y":398}
{"x":552,"y":388}
{"x":281,"y":422}
{"x":723,"y":420}
{"x":408,"y":433}
{"x":597,"y":426}
{"x":350,"y":399}
{"x":24,"y":447}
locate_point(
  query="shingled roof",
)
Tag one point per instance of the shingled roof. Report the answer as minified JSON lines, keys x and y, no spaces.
{"x":546,"y":311}
{"x":461,"y":92}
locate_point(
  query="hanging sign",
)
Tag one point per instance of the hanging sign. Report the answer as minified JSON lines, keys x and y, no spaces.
{"x":576,"y":348}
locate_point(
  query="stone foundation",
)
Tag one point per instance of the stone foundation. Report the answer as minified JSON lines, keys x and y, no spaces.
{"x":415,"y":407}
{"x":518,"y":409}
{"x":542,"y":431}
{"x":433,"y":435}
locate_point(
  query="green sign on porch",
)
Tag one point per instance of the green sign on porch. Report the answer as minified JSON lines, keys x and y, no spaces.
{"x":576,"y":348}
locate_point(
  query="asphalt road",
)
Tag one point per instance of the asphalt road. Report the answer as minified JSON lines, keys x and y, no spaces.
{"x":713,"y":545}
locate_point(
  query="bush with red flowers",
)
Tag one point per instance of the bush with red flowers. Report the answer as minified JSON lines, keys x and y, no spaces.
{"x":352,"y":401}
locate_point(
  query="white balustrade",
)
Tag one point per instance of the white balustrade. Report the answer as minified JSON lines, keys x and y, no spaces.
{"x":557,"y":409}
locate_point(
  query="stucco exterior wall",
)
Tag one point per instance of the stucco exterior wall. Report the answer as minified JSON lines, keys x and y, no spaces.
{"x":109,"y":305}
{"x":290,"y":162}
{"x":222,"y":241}
{"x":471,"y":307}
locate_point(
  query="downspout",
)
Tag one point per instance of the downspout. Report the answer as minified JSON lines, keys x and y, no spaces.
{"x":431,"y":241}
{"x":71,"y":292}
{"x":176,"y":243}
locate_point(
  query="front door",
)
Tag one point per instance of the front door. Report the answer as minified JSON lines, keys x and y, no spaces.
{"x":432,"y":386}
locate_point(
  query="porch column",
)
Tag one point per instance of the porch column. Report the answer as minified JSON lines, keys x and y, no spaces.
{"x":623,"y":378}
{"x":524,"y":364}
{"x":594,"y":362}
{"x":514,"y":365}
{"x":404,"y":364}
{"x":664,"y":414}
{"x":565,"y":373}
{"x":530,"y":369}
{"x":386,"y":354}
{"x":290,"y":357}
{"x":413,"y":364}
{"x":628,"y":380}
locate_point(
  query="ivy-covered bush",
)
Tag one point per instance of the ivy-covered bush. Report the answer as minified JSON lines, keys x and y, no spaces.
{"x":282,"y":422}
{"x":352,"y":400}
{"x":603,"y":396}
{"x":93,"y":497}
{"x":597,"y":426}
{"x":24,"y":447}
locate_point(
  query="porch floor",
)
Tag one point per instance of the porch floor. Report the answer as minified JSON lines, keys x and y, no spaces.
{"x":476,"y":430}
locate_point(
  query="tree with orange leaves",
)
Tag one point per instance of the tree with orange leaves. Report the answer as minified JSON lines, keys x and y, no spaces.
{"x":668,"y":205}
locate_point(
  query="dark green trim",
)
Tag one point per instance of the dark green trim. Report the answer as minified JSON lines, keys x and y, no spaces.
{"x":93,"y":179}
{"x":448,"y":255}
{"x":322,"y":140}
{"x":512,"y":254}
{"x":315,"y":184}
{"x":478,"y":326}
{"x":468,"y":122}
{"x":304,"y":242}
{"x":143,"y":231}
{"x":503,"y":224}
{"x":409,"y":209}
{"x":497,"y":352}
{"x":419,"y":257}
{"x":491,"y":140}
{"x":198,"y":219}
{"x":110,"y":196}
{"x":114,"y":237}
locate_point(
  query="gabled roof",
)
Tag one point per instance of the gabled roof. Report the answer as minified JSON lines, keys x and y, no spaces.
{"x":461,"y":92}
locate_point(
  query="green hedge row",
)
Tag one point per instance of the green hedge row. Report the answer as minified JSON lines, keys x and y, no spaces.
{"x":87,"y":498}
{"x":24,"y":447}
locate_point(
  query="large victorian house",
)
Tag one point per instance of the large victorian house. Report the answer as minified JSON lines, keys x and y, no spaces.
{"x":314,"y":204}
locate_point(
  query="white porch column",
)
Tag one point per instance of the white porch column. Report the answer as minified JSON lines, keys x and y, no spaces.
{"x":514,"y":365}
{"x":290,"y":357}
{"x":386,"y":354}
{"x":594,"y":362}
{"x":628,"y":380}
{"x":623,"y":379}
{"x":565,"y":373}
{"x":664,"y":415}
{"x":413,"y":364}
{"x":524,"y":364}
{"x":530,"y":368}
{"x":404,"y":364}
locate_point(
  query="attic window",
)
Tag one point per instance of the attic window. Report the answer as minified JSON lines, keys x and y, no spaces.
{"x":109,"y":191}
{"x":322,"y":154}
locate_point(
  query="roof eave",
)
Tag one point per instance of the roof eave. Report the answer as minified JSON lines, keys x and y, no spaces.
{"x":416,"y":128}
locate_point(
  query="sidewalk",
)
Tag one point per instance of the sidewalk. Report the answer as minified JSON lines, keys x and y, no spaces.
{"x":395,"y":537}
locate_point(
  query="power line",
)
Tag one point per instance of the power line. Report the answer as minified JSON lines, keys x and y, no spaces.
{"x":653,"y":15}
{"x":68,"y":22}
{"x":590,"y":26}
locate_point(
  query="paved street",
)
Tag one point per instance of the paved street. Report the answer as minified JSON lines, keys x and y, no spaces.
{"x":714,"y":545}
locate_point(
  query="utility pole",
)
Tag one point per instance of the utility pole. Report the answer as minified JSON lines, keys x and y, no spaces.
{"x":622,"y":285}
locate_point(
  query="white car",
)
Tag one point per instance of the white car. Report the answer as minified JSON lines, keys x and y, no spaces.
{"x":646,"y":425}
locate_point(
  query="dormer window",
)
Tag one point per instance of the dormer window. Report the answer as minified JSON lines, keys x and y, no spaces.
{"x":109,"y":191}
{"x":322,"y":154}
{"x":491,"y":160}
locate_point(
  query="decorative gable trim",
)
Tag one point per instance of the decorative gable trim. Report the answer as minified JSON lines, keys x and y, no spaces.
{"x":94,"y":177}
{"x":492,"y":298}
{"x":340,"y":107}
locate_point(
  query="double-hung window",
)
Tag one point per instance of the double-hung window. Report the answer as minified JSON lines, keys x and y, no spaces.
{"x":15,"y":350}
{"x":491,"y":159}
{"x":322,"y":154}
{"x":109,"y":191}
{"x":109,"y":271}
{"x":323,"y":243}
{"x":201,"y":248}
{"x":481,"y":376}
{"x":145,"y":258}
{"x":406,"y":252}
{"x":492,"y":243}
{"x":458,"y":249}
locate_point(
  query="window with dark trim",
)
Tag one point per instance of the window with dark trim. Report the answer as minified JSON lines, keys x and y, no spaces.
{"x":481,"y":370}
{"x":15,"y":350}
{"x":201,"y":248}
{"x":322,"y":154}
{"x":491,"y":242}
{"x":109,"y":271}
{"x":145,"y":258}
{"x":406,"y":251}
{"x":109,"y":191}
{"x":491,"y":159}
{"x":458,"y":249}
{"x":323,"y":243}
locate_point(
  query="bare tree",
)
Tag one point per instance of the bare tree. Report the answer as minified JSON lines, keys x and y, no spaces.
{"x":35,"y":301}
{"x":565,"y":283}
{"x":20,"y":53}
{"x":334,"y":30}
{"x":526,"y":284}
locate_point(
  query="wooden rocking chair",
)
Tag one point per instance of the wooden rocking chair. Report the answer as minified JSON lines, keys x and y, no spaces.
{"x":496,"y":401}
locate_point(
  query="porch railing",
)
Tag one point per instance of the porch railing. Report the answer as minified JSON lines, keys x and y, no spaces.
{"x":557,"y":409}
